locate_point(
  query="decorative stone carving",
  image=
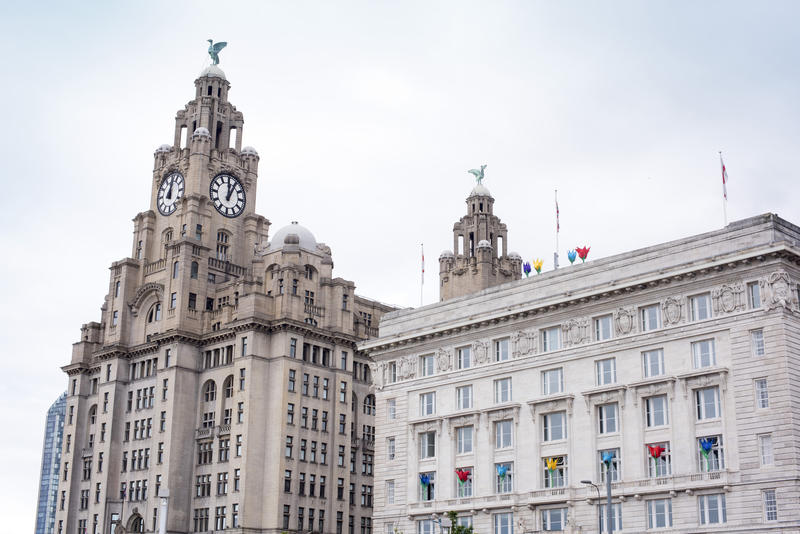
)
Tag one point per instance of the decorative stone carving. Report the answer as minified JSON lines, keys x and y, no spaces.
{"x":480,"y":351}
{"x":728,"y":298}
{"x":378,"y":371}
{"x":522,"y":525}
{"x":444,"y":360}
{"x":142,"y":292}
{"x":778,"y":290}
{"x":672,"y":310}
{"x":625,"y":321}
{"x":576,"y":331}
{"x":523,"y":343}
{"x":407,"y":368}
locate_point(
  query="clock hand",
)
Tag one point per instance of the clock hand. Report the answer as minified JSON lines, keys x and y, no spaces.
{"x":230,"y":191}
{"x":169,"y":191}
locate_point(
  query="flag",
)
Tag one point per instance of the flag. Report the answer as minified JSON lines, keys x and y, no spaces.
{"x":724,"y":177}
{"x":422,"y":249}
{"x":558,"y":222}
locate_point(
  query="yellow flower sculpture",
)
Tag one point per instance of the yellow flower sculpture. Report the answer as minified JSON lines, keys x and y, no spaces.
{"x":537,"y":264}
{"x":552,"y":464}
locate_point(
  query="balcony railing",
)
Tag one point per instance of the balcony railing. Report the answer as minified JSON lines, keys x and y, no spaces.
{"x":155,"y":266}
{"x":227,"y":267}
{"x":317,"y":311}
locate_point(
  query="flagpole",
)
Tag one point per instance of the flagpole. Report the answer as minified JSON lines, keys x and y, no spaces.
{"x":724,"y":191}
{"x":422,"y":275}
{"x":558,"y":225}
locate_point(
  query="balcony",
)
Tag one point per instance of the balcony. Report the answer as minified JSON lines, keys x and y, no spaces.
{"x":202,"y":433}
{"x":228,"y":268}
{"x":155,"y":266}
{"x":316,"y":311}
{"x":86,"y":452}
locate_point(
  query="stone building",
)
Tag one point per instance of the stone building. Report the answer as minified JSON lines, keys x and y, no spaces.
{"x":51,"y":467}
{"x":224,"y":370}
{"x":679,"y":359}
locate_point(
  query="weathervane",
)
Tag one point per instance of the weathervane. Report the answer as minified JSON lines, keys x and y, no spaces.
{"x":213,"y":50}
{"x":477,"y":173}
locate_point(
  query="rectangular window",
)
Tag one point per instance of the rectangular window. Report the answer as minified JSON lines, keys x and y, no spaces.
{"x":551,"y":339}
{"x":554,"y":426}
{"x":343,"y":363}
{"x":426,"y":363}
{"x":290,"y":383}
{"x":503,"y":524}
{"x":554,"y":519}
{"x":288,"y":450}
{"x":503,"y":434}
{"x":707,"y":403}
{"x":504,"y":477}
{"x":555,"y":472}
{"x":464,"y":439}
{"x":391,"y":409}
{"x":607,"y":418}
{"x":616,"y":516}
{"x":390,"y":448}
{"x":464,"y":397}
{"x":659,"y":460}
{"x":753,"y":295}
{"x":712,"y":509}
{"x":653,"y":363}
{"x":656,"y":411}
{"x":614,"y":468}
{"x":501,"y":350}
{"x":427,"y":486}
{"x":765,"y":449}
{"x":173,"y":301}
{"x":427,"y":403}
{"x":703,"y":353}
{"x":700,"y":306}
{"x":659,"y":513}
{"x":427,"y":445}
{"x":710,"y":454}
{"x":762,"y":393}
{"x":650,"y":317}
{"x":390,"y":492}
{"x":463,"y":487}
{"x":606,"y":371}
{"x":502,"y":390}
{"x":552,"y":381}
{"x":603,"y":328}
{"x":464,"y":358}
{"x":770,"y":505}
{"x":425,"y":526}
{"x":392,"y":372}
{"x":757,"y":342}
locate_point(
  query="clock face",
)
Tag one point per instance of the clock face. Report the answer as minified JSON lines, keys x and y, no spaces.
{"x":169,"y":192}
{"x":227,"y":194}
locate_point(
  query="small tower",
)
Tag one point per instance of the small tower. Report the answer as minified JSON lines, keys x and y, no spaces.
{"x":479,"y":258}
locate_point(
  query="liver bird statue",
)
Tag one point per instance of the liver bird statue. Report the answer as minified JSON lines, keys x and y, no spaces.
{"x":477,"y":173}
{"x":213,"y":50}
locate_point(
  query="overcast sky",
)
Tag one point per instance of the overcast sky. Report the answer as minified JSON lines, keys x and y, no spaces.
{"x":367,"y":116}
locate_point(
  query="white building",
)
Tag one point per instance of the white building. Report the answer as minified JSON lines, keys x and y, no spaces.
{"x":652,"y":352}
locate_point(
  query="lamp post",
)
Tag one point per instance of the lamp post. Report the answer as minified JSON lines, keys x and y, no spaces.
{"x":608,"y":460}
{"x":599,"y":519}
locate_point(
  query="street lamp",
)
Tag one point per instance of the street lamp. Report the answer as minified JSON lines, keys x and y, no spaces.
{"x":599,"y":519}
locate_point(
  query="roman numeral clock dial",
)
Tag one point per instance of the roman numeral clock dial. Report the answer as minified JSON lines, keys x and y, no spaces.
{"x":169,"y":192}
{"x":227,"y":194}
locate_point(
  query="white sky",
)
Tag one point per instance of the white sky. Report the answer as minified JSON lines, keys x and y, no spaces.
{"x":371,"y":113}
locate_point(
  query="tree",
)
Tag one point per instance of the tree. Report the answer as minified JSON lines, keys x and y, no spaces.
{"x":455,"y":528}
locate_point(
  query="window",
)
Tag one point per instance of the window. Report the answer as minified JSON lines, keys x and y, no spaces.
{"x":653,"y":363}
{"x":552,"y":381}
{"x":616,"y":516}
{"x":427,"y":486}
{"x":464,"y":397}
{"x":503,"y":524}
{"x":765,"y":448}
{"x":656,"y":411}
{"x":390,"y":492}
{"x":554,"y":426}
{"x":288,"y":450}
{"x":501,"y":350}
{"x":606,"y":371}
{"x":464,"y":482}
{"x":602,"y":328}
{"x":464,"y":360}
{"x":502,"y":390}
{"x":607,"y":418}
{"x":700,"y":306}
{"x":650,"y":317}
{"x":659,"y":513}
{"x":762,"y":394}
{"x":427,"y":445}
{"x":175,"y":270}
{"x":554,"y":519}
{"x":343,"y":363}
{"x":173,"y":301}
{"x":659,"y":460}
{"x":503,"y":477}
{"x":114,"y":318}
{"x":770,"y":505}
{"x":712,"y":508}
{"x":192,"y":301}
{"x":703,"y":353}
{"x":707,"y":402}
{"x":391,"y":409}
{"x":342,"y":391}
{"x":551,"y":339}
{"x":427,"y":403}
{"x":390,"y":448}
{"x":502,"y":434}
{"x":464,"y":439}
{"x":555,"y":472}
{"x":614,"y":468}
{"x":425,"y":526}
{"x":426,"y":365}
{"x":753,"y":295}
{"x":116,"y":288}
{"x":292,"y":374}
{"x":392,"y":372}
{"x":757,"y":342}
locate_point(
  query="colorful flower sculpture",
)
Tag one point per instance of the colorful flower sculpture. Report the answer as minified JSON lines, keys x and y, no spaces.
{"x":582,"y":253}
{"x":537,"y":264}
{"x":424,"y":479}
{"x":571,"y":255}
{"x":501,"y":471}
{"x":706,"y":444}
{"x":608,"y":456}
{"x":526,"y":268}
{"x":552,"y":464}
{"x":656,"y":451}
{"x":463,"y":476}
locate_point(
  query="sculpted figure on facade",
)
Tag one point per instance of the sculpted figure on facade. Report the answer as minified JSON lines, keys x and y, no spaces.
{"x":443,"y":360}
{"x":523,"y":343}
{"x":378,"y":371}
{"x":778,"y":290}
{"x":407,"y":368}
{"x":625,"y":320}
{"x":728,"y":298}
{"x":576,"y":331}
{"x":672,"y":310}
{"x":480,"y":350}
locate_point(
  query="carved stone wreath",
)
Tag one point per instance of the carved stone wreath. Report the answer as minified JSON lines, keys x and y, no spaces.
{"x":625,"y":320}
{"x":672,"y":308}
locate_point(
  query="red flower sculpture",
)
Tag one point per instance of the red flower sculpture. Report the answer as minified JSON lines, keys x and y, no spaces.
{"x":462,"y":475}
{"x":582,"y":252}
{"x":656,"y":451}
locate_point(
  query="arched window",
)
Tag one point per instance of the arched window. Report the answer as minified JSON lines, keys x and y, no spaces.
{"x":155,"y":313}
{"x":93,"y":415}
{"x":194,"y":269}
{"x":175,"y":270}
{"x":227,"y":387}
{"x":369,"y":404}
{"x":210,"y":391}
